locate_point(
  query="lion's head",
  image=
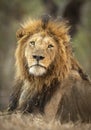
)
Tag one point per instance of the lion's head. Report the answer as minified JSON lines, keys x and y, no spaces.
{"x":40,"y":53}
{"x":43,"y":49}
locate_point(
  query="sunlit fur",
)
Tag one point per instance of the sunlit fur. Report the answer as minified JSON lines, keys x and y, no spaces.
{"x":57,"y":60}
{"x":40,"y":47}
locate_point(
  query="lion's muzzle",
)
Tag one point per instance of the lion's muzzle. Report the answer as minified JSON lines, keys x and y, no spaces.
{"x":37,"y":70}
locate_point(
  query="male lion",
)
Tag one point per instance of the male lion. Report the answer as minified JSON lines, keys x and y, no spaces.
{"x":48,"y":79}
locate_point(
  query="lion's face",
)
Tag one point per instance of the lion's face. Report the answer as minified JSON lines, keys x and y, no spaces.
{"x":43,"y":50}
{"x":40,"y":52}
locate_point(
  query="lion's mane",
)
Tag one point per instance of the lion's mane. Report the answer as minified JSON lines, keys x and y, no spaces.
{"x":56,"y":29}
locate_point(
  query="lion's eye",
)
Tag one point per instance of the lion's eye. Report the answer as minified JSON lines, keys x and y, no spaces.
{"x":32,"y":43}
{"x":50,"y":46}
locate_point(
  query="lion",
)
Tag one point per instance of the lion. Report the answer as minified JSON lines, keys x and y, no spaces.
{"x":48,"y":79}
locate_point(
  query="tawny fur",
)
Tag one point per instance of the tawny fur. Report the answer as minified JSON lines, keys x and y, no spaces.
{"x":43,"y":94}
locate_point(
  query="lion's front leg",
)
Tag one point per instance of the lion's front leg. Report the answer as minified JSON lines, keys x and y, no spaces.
{"x":14,"y":97}
{"x":31,"y":105}
{"x":34,"y":104}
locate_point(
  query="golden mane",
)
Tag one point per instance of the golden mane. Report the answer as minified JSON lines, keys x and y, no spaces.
{"x":58,"y":30}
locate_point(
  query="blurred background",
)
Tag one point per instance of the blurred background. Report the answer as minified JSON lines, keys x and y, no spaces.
{"x":12,"y":12}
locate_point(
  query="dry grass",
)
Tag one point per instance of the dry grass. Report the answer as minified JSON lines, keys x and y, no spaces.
{"x":29,"y":122}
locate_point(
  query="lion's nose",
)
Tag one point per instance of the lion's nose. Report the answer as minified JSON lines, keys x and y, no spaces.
{"x":38,"y":57}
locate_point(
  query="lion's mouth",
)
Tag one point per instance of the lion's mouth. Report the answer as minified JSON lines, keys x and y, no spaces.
{"x":38,"y":65}
{"x":37,"y":70}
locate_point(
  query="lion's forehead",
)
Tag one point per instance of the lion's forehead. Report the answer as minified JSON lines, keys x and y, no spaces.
{"x":41,"y":38}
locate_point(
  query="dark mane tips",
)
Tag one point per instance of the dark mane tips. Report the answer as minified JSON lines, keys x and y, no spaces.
{"x":45,"y":19}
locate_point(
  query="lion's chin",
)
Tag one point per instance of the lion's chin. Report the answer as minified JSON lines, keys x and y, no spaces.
{"x":37,"y":70}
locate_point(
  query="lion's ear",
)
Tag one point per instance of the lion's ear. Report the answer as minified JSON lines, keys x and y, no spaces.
{"x":20,"y":33}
